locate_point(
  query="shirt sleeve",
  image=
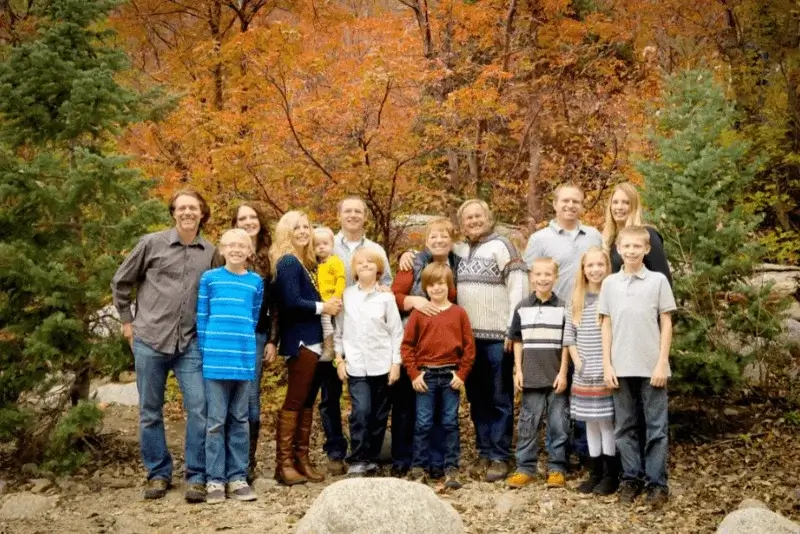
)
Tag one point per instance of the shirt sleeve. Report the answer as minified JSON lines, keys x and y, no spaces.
{"x":128,"y":276}
{"x":569,"y":327}
{"x":408,"y":349}
{"x":203,"y":309}
{"x":532,"y":251}
{"x":468,"y":354}
{"x":515,"y":332}
{"x":603,"y":304}
{"x":287,"y":283}
{"x":515,"y":274}
{"x":656,"y":259}
{"x":666,"y":300}
{"x":401,"y":287}
{"x":338,"y":333}
{"x":258,"y":299}
{"x":395,"y":324}
{"x":386,"y":279}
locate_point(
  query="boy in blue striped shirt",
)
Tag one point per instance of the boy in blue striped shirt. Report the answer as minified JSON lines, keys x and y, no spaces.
{"x":228,"y":304}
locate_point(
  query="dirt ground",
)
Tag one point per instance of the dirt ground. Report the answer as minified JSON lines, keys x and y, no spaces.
{"x":708,"y":479}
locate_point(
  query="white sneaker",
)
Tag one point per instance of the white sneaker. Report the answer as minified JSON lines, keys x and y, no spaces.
{"x":357,"y":470}
{"x":215,"y":493}
{"x":239,"y":490}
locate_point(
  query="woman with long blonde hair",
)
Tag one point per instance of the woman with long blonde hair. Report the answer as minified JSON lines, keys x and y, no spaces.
{"x":299,"y":307}
{"x":625,"y":209}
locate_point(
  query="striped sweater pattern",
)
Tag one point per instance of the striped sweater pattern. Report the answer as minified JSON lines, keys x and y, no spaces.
{"x":228,"y":307}
{"x":492,"y":279}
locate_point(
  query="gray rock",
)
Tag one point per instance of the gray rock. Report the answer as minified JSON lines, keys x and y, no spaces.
{"x":749,"y":503}
{"x":263,"y":484}
{"x":125,"y":524}
{"x":119,"y":483}
{"x":40,"y":485}
{"x":359,"y":506}
{"x":508,"y":503}
{"x":755,"y":520}
{"x":30,"y":469}
{"x":112,"y":393}
{"x":26,"y":506}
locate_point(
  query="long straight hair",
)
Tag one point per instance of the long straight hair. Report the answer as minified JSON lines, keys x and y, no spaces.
{"x":261,"y":261}
{"x":582,"y":283}
{"x":282,"y":243}
{"x":635,"y":217}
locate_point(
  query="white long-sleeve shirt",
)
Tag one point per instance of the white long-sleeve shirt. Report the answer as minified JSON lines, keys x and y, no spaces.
{"x":369,"y":331}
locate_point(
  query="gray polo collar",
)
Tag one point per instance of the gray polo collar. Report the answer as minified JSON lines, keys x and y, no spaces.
{"x":557,"y":229}
{"x":640,"y":274}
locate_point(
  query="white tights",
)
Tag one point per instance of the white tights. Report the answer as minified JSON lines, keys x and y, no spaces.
{"x":600,"y":438}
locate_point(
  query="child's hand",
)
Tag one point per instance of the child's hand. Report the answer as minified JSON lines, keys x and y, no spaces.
{"x":560,"y":383}
{"x":341,"y":370}
{"x":659,"y":378}
{"x":610,"y":377}
{"x":456,"y":382}
{"x":578,"y":366}
{"x":394,"y":373}
{"x":518,"y":380}
{"x":508,"y":345}
{"x":270,"y":352}
{"x":419,"y":384}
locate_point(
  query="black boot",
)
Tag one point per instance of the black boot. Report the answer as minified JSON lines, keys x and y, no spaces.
{"x":595,"y":465}
{"x":255,"y":428}
{"x":610,"y":481}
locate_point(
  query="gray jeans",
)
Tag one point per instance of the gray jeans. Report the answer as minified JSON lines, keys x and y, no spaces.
{"x":534,"y":404}
{"x":653,"y":468}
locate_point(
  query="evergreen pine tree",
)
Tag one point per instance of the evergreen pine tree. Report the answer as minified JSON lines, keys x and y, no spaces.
{"x":69,"y":206}
{"x":694,"y":187}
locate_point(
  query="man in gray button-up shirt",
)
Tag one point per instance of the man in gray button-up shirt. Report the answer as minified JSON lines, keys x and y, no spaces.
{"x":165,"y":269}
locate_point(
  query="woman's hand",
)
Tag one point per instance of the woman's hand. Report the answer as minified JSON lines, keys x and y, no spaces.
{"x":406,"y":262}
{"x":424,"y":306}
{"x":270,"y":352}
{"x":332,"y":307}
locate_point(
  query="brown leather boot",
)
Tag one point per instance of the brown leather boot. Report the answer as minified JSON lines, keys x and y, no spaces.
{"x":285,"y":473}
{"x":302,"y":463}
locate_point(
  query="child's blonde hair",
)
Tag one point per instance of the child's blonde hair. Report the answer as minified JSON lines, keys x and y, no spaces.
{"x":437,"y":272}
{"x":546,"y":260}
{"x":323,"y":231}
{"x":236,"y":234}
{"x":581,"y":283}
{"x":634,"y":231}
{"x":372,"y":256}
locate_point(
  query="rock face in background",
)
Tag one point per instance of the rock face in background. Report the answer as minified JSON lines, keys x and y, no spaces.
{"x":412,"y":230}
{"x":378,"y":506}
{"x":754,"y":517}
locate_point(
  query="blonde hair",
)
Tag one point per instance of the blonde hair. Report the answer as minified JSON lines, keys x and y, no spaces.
{"x":323,"y":230}
{"x":282,"y":242}
{"x":441,"y":223}
{"x":484,"y":206}
{"x":236,"y":234}
{"x":634,"y":214}
{"x":436,"y":272}
{"x":546,"y":261}
{"x":582,"y":283}
{"x":634,"y":231}
{"x":372,"y":256}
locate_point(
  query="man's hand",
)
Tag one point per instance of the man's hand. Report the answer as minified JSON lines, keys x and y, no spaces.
{"x":456,"y":383}
{"x":660,"y":376}
{"x":419,"y":384}
{"x":394,"y":373}
{"x":560,"y":383}
{"x":127,"y":333}
{"x":270,"y":352}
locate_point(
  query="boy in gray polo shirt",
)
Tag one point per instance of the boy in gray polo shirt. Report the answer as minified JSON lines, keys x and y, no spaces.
{"x":635,"y":304}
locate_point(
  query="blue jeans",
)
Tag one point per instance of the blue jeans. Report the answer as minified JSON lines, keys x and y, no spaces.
{"x":254,"y":394}
{"x":577,"y":440}
{"x":369,"y":397}
{"x":330,"y":411}
{"x":152,"y":368}
{"x":490,"y":391}
{"x":404,"y":412}
{"x":439,"y":404}
{"x":652,"y":469}
{"x":535,"y":402}
{"x":227,"y":431}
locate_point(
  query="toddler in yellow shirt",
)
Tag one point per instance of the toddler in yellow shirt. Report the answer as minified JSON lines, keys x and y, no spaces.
{"x":331,"y":278}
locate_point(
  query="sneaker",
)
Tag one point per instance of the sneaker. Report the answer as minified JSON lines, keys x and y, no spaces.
{"x":240,"y":490}
{"x":357,"y":470}
{"x":399,"y":471}
{"x":373,"y":469}
{"x":497,"y":471}
{"x":451,"y":480}
{"x":519,"y":480}
{"x":156,"y":488}
{"x":479,"y":467}
{"x":417,"y":474}
{"x":215,"y":493}
{"x":195,"y":493}
{"x":629,"y":490}
{"x":556,"y":480}
{"x":657,"y":497}
{"x":336,"y":467}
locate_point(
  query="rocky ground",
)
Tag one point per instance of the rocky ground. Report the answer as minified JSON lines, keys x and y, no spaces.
{"x":715,"y":463}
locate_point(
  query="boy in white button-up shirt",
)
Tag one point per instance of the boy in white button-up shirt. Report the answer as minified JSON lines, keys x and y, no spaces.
{"x":367,"y":342}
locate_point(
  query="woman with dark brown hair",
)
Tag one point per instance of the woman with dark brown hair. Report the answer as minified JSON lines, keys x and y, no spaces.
{"x":250,"y":217}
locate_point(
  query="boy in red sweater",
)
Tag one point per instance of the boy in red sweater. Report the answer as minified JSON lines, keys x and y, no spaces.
{"x":438,"y":352}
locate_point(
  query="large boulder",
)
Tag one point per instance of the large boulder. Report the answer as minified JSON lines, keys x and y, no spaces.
{"x":754,"y":520}
{"x":379,"y":505}
{"x":26,"y":506}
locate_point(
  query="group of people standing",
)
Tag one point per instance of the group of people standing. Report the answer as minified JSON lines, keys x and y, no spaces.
{"x":578,"y":324}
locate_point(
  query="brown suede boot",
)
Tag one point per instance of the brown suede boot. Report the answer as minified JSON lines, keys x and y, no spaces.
{"x":302,"y":463}
{"x":285,"y":473}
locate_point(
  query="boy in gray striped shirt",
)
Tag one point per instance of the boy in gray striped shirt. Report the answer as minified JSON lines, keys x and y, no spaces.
{"x":540,"y":373}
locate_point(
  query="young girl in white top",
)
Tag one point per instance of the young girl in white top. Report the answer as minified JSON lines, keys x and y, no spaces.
{"x":367,"y":342}
{"x":591,"y":400}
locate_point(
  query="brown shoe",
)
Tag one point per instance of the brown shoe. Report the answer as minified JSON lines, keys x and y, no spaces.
{"x":156,"y":488}
{"x":302,"y":463}
{"x":479,"y":467}
{"x":497,"y":471}
{"x":336,"y":467}
{"x":285,"y":473}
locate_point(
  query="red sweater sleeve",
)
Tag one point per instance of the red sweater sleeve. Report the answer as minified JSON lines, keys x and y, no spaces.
{"x":401,"y":287}
{"x":468,"y":354}
{"x":408,"y":349}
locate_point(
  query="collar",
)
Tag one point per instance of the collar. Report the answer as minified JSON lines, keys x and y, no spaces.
{"x":640,"y":274}
{"x":175,"y":239}
{"x":554,"y":226}
{"x":485,"y":239}
{"x":368,"y":292}
{"x":340,"y":238}
{"x":552,"y":301}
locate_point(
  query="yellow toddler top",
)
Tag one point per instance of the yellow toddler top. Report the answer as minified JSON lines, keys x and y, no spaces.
{"x":331,"y":278}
